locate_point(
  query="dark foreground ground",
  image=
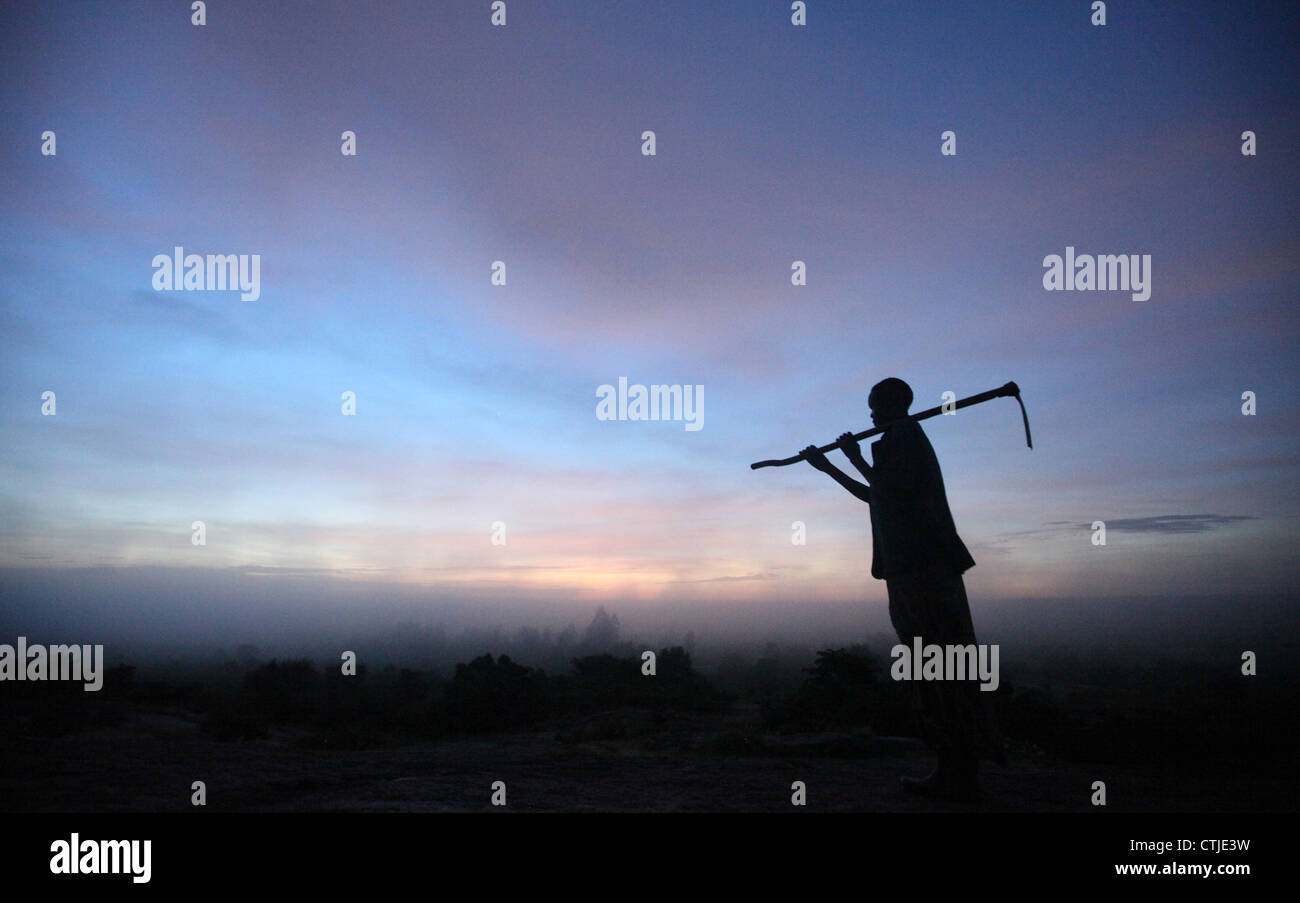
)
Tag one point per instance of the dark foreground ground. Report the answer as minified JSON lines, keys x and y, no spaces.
{"x":148,"y":762}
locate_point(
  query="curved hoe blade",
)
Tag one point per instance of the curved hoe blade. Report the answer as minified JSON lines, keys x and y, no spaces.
{"x":1025,"y":414}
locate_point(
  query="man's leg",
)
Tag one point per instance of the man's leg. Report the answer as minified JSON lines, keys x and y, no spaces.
{"x":955,"y":717}
{"x":908,"y":612}
{"x":968,"y":717}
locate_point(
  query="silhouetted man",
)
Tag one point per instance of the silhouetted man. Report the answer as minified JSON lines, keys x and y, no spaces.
{"x":916,"y":551}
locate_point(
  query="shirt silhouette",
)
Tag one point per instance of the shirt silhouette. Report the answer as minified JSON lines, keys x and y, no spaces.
{"x":911,"y":524}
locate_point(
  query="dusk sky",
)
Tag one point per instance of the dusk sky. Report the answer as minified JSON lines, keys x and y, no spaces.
{"x":476,"y":403}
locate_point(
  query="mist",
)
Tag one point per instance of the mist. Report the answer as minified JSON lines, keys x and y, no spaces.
{"x":154,"y":615}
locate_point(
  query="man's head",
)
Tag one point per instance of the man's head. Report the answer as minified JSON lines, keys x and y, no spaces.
{"x":889,"y":400}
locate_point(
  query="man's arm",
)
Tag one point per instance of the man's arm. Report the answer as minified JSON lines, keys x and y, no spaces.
{"x":818,"y":460}
{"x":853,"y":452}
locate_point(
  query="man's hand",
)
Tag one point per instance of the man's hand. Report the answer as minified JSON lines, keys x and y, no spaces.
{"x":813,"y":455}
{"x":849,"y":446}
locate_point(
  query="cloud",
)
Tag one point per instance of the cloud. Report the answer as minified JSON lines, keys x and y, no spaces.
{"x":726,"y":579}
{"x":173,"y":312}
{"x":1163,"y":523}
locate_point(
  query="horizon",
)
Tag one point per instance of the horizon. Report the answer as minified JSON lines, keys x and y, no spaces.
{"x":151,"y":615}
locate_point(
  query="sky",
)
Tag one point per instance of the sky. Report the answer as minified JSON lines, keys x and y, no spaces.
{"x":475,"y":403}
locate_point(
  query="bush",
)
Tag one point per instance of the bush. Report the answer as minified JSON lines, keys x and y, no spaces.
{"x":487,"y":695}
{"x":843,"y":691}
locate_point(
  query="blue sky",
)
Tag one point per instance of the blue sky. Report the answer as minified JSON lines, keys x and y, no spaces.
{"x":476,"y":403}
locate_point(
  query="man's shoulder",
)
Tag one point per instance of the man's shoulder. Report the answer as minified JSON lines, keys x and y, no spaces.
{"x":904,"y":430}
